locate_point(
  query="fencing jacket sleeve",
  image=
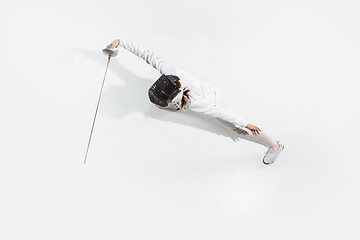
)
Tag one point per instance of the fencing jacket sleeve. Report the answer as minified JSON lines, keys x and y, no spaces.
{"x":204,"y":97}
{"x":148,"y":56}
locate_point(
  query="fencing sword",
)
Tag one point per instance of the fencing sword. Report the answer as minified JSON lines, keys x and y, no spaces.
{"x":111,"y":51}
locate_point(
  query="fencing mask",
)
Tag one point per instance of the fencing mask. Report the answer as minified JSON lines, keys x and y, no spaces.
{"x":163,"y":91}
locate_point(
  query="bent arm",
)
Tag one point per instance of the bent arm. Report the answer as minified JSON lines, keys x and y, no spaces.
{"x":148,"y":56}
{"x":219,"y":110}
{"x":228,"y":116}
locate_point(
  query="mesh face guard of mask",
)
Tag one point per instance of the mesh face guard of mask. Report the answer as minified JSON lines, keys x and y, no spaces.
{"x":163,"y":91}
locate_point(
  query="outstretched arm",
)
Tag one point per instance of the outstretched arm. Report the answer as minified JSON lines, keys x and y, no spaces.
{"x":147,"y":55}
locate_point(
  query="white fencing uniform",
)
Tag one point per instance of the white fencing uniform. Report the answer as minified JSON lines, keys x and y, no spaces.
{"x":204,"y":97}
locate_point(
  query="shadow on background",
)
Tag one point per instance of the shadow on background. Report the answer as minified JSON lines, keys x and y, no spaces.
{"x":119,"y":101}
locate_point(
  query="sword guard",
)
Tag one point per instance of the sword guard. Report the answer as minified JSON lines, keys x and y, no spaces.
{"x":110,"y":50}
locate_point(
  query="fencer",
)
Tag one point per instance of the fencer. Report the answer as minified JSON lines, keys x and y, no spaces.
{"x":177,"y":89}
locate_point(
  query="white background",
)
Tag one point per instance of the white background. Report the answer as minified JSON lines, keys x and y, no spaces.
{"x":289,"y":67}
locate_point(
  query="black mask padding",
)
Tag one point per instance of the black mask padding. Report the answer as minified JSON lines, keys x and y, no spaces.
{"x":163,"y":91}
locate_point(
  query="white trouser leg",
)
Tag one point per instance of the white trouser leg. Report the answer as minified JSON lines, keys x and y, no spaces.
{"x":245,"y":133}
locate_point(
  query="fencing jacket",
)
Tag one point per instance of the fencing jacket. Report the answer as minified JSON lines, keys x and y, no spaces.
{"x":204,"y":97}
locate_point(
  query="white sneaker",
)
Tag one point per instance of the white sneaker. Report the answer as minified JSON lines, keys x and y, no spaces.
{"x":272,"y":154}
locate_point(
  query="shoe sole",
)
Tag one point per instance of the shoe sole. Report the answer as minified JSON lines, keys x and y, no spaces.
{"x":275,"y":159}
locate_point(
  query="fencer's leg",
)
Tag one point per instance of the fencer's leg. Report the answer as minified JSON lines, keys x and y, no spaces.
{"x":263,"y":138}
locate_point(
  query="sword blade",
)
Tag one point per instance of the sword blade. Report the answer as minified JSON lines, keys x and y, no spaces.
{"x":97,"y":107}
